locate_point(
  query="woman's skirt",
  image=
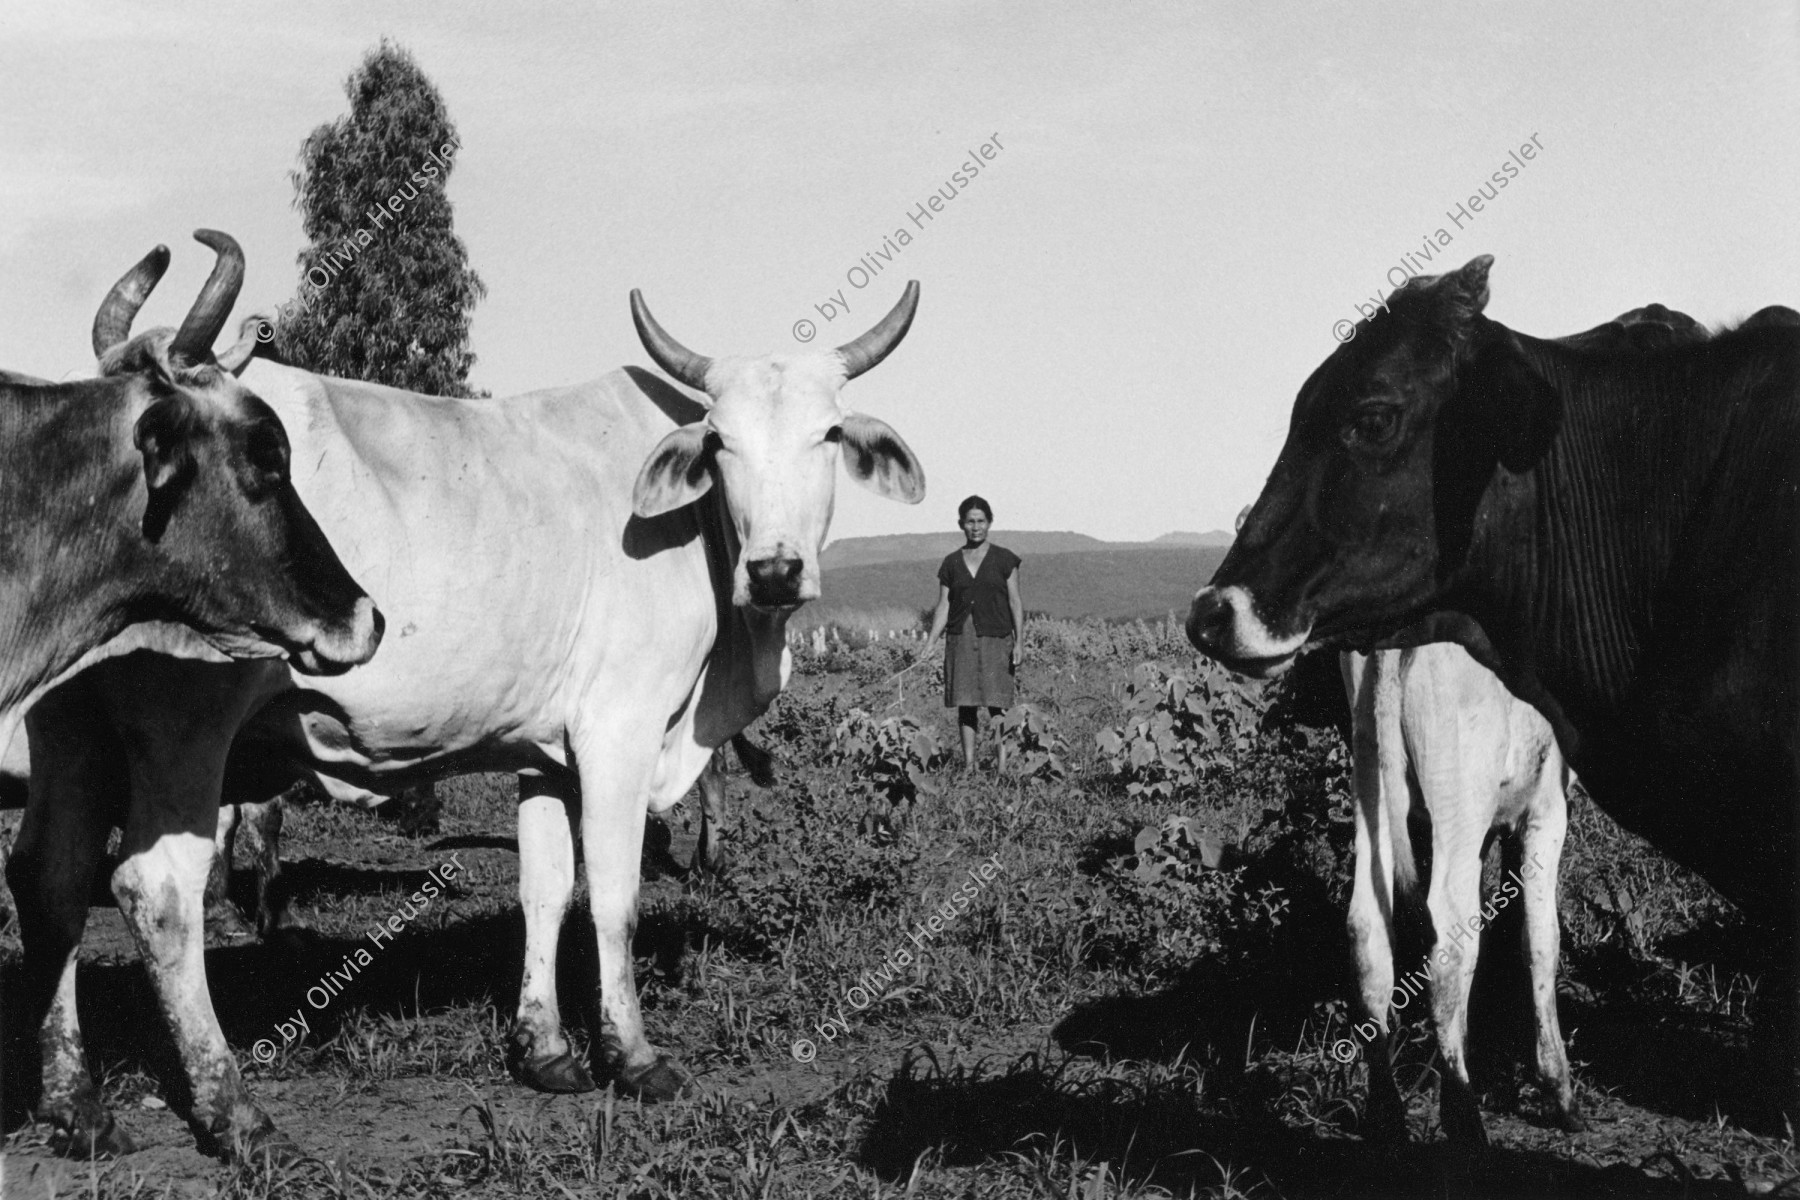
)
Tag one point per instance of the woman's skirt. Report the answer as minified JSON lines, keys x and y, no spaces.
{"x":978,"y":671}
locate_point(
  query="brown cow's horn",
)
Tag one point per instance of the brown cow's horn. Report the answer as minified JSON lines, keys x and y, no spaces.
{"x":193,"y":341}
{"x":670,"y":355}
{"x":112,"y":324}
{"x":876,"y":344}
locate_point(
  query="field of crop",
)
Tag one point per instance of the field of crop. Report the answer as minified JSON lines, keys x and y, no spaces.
{"x":1135,"y":989}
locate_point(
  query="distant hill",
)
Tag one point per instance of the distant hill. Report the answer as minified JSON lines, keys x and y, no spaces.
{"x":1117,"y":582}
{"x":931,"y":547}
{"x":1217,"y":537}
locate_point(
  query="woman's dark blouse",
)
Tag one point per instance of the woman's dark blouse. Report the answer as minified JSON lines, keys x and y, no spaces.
{"x":982,"y":594}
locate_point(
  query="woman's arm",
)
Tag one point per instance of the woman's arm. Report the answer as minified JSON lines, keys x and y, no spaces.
{"x":939,"y":618}
{"x":1018,"y":616}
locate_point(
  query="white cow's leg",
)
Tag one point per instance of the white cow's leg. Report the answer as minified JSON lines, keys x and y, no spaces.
{"x":1546,"y":824}
{"x":712,"y":850}
{"x":616,"y":770}
{"x":51,"y":872}
{"x":1454,"y":900}
{"x":538,"y":1053}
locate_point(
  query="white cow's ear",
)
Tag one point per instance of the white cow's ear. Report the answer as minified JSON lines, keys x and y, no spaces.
{"x":675,"y":473}
{"x":877,"y":458}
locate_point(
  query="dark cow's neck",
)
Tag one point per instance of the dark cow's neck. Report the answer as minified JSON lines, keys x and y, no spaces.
{"x":66,"y":498}
{"x":1639,"y":583}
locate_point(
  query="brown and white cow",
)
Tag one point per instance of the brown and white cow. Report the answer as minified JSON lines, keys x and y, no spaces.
{"x":589,"y":586}
{"x":161,"y":492}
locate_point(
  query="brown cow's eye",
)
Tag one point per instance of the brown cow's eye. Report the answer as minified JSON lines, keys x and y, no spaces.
{"x":1373,"y":425}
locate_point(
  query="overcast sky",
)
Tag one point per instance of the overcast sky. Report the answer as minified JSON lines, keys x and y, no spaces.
{"x":1116,"y":312}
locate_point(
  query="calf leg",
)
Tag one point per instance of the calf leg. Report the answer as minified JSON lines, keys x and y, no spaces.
{"x":538,"y":1053}
{"x":261,"y":824}
{"x":1546,"y":824}
{"x":218,"y":876}
{"x":51,"y":872}
{"x":1371,"y":916}
{"x":712,"y":850}
{"x":1454,"y":900}
{"x":1371,"y":941}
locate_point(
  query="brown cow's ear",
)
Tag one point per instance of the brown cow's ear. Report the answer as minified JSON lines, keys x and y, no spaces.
{"x":164,"y":435}
{"x":675,"y":473}
{"x":1525,"y":408}
{"x":877,"y":458}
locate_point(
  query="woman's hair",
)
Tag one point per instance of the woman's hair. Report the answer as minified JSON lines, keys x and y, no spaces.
{"x":962,"y":510}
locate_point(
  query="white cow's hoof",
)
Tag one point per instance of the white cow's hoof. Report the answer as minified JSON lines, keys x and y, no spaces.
{"x":90,"y":1132}
{"x":661,"y":1080}
{"x":560,"y":1074}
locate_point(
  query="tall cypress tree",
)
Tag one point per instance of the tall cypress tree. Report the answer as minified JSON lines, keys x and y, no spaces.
{"x":385,"y":285}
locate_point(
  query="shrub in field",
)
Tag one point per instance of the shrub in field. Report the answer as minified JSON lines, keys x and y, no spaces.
{"x":1033,"y":748}
{"x":1177,"y":730}
{"x":890,"y":758}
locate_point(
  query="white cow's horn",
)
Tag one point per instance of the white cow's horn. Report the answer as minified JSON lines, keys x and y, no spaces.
{"x":680,"y":362}
{"x":876,"y":344}
{"x":112,"y":324}
{"x":193,"y":341}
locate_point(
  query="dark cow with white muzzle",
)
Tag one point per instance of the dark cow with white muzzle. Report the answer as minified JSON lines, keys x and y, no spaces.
{"x":1613,"y":530}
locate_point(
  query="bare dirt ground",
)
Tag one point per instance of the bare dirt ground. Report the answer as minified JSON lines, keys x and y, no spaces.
{"x":1069,"y":1034}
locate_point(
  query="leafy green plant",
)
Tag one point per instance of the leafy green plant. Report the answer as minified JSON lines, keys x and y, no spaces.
{"x":1033,"y":748}
{"x":891,"y":758}
{"x":1177,"y":730}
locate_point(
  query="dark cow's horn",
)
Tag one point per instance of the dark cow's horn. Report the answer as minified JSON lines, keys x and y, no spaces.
{"x":112,"y":324}
{"x":670,"y":355}
{"x":193,"y":341}
{"x":876,"y":344}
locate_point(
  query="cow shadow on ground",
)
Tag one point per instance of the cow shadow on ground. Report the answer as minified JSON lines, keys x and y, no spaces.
{"x":1155,"y":1134}
{"x":1636,"y":1047}
{"x":475,"y":962}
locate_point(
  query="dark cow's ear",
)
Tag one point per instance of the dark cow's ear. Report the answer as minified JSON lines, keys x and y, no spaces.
{"x":164,"y":436}
{"x":675,"y":473}
{"x":1524,"y":408}
{"x":877,"y":458}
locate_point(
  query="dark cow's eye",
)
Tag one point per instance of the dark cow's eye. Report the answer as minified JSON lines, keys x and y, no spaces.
{"x":267,"y":449}
{"x":835,"y":434}
{"x":1373,"y":424}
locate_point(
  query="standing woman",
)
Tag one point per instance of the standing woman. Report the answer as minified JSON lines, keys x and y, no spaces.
{"x":979,"y":607}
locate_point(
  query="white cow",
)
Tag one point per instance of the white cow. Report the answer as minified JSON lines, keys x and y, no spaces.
{"x":1433,"y":727}
{"x":546,"y":614}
